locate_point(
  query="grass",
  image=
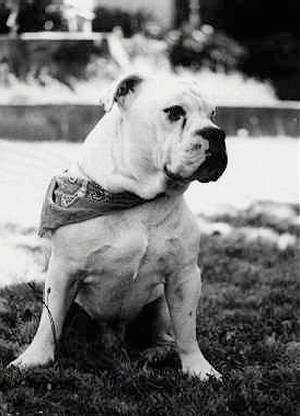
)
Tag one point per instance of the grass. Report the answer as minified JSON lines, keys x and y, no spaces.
{"x":247,"y":328}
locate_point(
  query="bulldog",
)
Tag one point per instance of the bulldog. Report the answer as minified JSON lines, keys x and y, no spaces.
{"x":157,"y":135}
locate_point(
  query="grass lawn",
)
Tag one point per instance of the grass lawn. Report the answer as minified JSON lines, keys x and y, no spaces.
{"x":247,"y":326}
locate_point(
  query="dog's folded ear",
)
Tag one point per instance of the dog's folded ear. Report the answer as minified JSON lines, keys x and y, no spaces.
{"x":121,"y":91}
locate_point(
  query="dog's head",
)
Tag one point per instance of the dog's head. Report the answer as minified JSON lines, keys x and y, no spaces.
{"x":169,"y":127}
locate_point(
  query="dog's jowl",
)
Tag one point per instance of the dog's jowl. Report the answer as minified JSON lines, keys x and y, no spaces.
{"x":121,"y":234}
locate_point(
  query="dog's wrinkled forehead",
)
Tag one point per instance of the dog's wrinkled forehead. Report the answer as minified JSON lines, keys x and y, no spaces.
{"x":175,"y":91}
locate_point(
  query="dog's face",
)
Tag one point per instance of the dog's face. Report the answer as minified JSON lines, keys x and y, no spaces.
{"x":169,"y":127}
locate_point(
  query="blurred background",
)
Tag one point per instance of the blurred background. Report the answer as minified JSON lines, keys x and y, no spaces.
{"x":227,"y":43}
{"x":56,"y":59}
{"x":58,"y":56}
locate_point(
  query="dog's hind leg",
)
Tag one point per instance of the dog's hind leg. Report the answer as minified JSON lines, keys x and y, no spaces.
{"x":162,"y":340}
{"x":182,"y":294}
{"x":161,"y":327}
{"x":59,"y":292}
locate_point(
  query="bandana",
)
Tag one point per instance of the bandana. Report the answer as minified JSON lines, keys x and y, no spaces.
{"x":70,"y":200}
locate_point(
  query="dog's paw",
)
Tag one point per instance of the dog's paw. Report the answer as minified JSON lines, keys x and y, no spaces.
{"x":202,"y":372}
{"x":32,"y":358}
{"x":157,"y":353}
{"x":199,"y":368}
{"x":157,"y":356}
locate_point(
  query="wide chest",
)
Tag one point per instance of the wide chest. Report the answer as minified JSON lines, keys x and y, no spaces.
{"x":127,"y":272}
{"x":126,"y":258}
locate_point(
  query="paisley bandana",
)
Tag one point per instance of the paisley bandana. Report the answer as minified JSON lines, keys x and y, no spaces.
{"x":70,"y":200}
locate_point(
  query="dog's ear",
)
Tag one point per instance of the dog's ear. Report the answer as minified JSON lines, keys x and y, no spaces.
{"x":121,"y":92}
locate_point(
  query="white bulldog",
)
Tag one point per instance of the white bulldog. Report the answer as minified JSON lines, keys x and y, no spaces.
{"x":156,"y":137}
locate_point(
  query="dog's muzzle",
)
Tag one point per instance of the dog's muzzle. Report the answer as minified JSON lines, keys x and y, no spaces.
{"x":216,"y":161}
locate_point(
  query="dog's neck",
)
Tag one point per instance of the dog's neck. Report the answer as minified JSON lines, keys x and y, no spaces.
{"x":101,"y":160}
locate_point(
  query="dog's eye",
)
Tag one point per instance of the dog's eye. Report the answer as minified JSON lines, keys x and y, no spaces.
{"x":213,"y":115}
{"x":175,"y":112}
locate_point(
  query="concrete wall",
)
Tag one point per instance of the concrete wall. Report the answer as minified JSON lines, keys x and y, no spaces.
{"x":73,"y":122}
{"x":48,"y":122}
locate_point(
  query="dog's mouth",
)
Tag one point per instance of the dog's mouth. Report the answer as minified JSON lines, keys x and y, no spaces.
{"x":175,"y":177}
{"x":212,"y":168}
{"x":209,"y":171}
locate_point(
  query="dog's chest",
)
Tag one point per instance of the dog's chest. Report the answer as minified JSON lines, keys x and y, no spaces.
{"x":126,"y":258}
{"x":124,"y":274}
{"x":128,"y":271}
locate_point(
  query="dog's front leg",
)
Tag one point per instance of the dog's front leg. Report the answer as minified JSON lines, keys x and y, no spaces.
{"x":182,"y":293}
{"x":59,"y":292}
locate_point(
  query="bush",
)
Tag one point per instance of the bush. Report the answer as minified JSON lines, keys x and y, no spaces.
{"x":106,"y":19}
{"x":269,"y":31}
{"x":41,"y":60}
{"x":205,"y":47}
{"x":276,"y":57}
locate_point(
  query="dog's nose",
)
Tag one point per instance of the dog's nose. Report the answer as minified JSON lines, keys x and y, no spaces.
{"x":212,"y":134}
{"x":215,"y":138}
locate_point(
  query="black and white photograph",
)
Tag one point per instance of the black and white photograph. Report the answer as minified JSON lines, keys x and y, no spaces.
{"x":149,"y":207}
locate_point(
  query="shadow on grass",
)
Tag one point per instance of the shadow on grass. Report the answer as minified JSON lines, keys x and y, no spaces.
{"x":247,"y":321}
{"x":280,"y":217}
